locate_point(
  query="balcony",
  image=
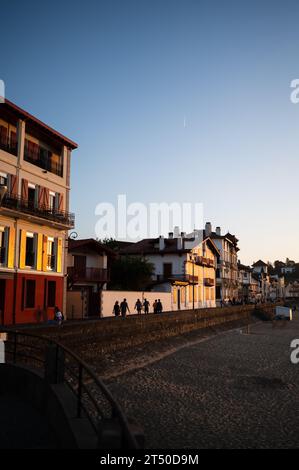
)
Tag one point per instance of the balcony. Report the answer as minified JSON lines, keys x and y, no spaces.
{"x":42,"y":158}
{"x":209,"y":282}
{"x":202,"y":261}
{"x":21,"y":205}
{"x":88,"y":274}
{"x":184,"y":278}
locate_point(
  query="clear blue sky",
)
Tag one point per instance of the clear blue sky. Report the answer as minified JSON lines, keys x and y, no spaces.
{"x":118,"y":77}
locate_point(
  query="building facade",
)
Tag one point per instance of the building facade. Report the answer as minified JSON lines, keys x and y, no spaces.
{"x":34,"y":216}
{"x":88,"y":271}
{"x":183,"y":265}
{"x":227,"y":285}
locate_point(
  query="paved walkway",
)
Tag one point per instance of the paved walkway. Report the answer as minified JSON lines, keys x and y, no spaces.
{"x":21,"y":427}
{"x":235,"y":390}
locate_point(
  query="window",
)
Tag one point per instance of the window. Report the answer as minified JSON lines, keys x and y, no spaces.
{"x":2,"y":246}
{"x":30,"y":294}
{"x":3,"y":179}
{"x":31,"y":196}
{"x":51,"y":293}
{"x":50,"y":254}
{"x":52,"y":201}
{"x":167,"y":270}
{"x":30,"y":250}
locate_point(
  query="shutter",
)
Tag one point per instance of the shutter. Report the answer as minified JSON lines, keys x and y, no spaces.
{"x":11,"y":247}
{"x":39,"y":256}
{"x":13,"y":185}
{"x":60,"y":202}
{"x":59,"y":255}
{"x":44,"y":253}
{"x":24,"y":189}
{"x":41,"y":198}
{"x":22,"y":249}
{"x":46,"y":197}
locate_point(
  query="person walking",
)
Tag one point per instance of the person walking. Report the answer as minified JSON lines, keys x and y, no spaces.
{"x":159,"y":306}
{"x":155,"y":306}
{"x":124,"y":307}
{"x":58,"y":316}
{"x":146,"y":306}
{"x":138,"y":306}
{"x":116,"y":309}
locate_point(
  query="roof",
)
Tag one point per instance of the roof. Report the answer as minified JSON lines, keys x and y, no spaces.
{"x":243,"y":267}
{"x":149,"y":246}
{"x":89,"y":244}
{"x":22,"y":114}
{"x":259,"y":263}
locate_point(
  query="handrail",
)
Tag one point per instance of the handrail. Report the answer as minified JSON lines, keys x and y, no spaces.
{"x":83,"y":367}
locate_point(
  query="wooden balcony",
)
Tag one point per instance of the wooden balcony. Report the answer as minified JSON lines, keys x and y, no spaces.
{"x":209,"y":282}
{"x":100,"y":275}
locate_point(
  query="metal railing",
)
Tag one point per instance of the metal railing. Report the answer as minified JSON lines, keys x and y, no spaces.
{"x":59,"y":364}
{"x":17,"y":203}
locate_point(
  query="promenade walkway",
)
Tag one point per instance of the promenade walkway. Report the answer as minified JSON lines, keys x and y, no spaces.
{"x":233,"y":390}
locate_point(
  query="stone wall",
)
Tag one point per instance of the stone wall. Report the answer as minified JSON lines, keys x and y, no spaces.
{"x":110,"y":334}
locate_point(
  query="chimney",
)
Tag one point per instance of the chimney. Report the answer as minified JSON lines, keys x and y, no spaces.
{"x":208,"y":229}
{"x":218,"y":231}
{"x":179,"y":243}
{"x":161,"y":243}
{"x":176,"y":231}
{"x":170,"y":235}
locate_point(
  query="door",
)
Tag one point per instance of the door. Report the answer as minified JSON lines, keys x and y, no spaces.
{"x":80,"y":265}
{"x":94,"y":304}
{"x":179,"y":299}
{"x":2,"y":300}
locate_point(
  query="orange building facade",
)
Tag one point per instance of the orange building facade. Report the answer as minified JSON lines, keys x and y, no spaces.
{"x":34,"y":217}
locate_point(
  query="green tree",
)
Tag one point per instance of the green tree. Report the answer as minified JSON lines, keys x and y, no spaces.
{"x":131,"y":273}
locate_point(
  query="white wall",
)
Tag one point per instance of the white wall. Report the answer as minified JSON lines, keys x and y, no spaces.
{"x":109,"y":297}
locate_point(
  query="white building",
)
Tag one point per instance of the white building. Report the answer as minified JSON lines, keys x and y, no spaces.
{"x":183,"y":265}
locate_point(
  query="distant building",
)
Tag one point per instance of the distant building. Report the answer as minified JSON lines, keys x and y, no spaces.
{"x":88,"y":263}
{"x":183,"y":265}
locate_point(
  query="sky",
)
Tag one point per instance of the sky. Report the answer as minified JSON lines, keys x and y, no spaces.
{"x":168,"y":100}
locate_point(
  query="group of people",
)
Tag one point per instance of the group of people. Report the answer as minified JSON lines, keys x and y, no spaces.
{"x":123,"y":307}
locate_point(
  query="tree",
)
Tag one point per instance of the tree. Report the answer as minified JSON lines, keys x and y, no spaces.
{"x":131,"y":273}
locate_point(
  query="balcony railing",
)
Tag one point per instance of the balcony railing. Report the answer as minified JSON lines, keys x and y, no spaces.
{"x":88,"y":274}
{"x":188,"y":278}
{"x":209,"y":282}
{"x":8,"y":145}
{"x":43,"y":159}
{"x":203,"y":261}
{"x":17,"y":203}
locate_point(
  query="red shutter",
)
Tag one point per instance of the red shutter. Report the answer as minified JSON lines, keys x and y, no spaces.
{"x":24,"y":189}
{"x":60,"y":202}
{"x":13,"y":185}
{"x":41,"y":196}
{"x":46,"y":197}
